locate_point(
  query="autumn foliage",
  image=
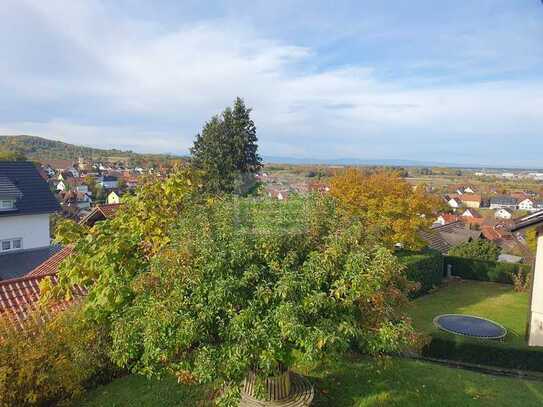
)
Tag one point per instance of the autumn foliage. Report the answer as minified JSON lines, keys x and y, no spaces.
{"x":390,"y":208}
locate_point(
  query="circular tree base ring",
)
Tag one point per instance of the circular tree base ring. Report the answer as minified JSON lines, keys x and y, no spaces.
{"x":301,"y":395}
{"x":469,"y":325}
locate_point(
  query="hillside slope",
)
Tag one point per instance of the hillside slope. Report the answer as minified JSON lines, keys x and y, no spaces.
{"x":38,"y":148}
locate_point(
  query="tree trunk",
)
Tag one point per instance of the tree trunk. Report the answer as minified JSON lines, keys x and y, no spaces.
{"x":275,"y":388}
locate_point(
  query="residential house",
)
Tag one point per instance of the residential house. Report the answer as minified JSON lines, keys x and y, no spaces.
{"x":519,"y":195}
{"x":529,"y":204}
{"x":74,"y":198}
{"x":58,"y":165}
{"x":25,"y":206}
{"x":472,"y":216}
{"x":503,"y":213}
{"x":19,"y":297}
{"x":454,"y":203}
{"x":471,"y":200}
{"x":67,"y":174}
{"x":61,"y":186}
{"x":100,"y":213}
{"x":108,"y":182}
{"x":465,"y":190}
{"x":49,"y":171}
{"x":446,"y":218}
{"x":52,"y":264}
{"x":114,"y":197}
{"x":84,"y":189}
{"x":443,"y":238}
{"x":490,"y":233}
{"x":131,"y":182}
{"x":497,"y":202}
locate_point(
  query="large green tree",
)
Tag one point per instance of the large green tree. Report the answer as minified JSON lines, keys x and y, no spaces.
{"x":226,"y":150}
{"x":108,"y":256}
{"x":253,"y":286}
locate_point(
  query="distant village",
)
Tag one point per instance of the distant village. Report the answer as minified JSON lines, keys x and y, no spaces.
{"x":88,"y":191}
{"x":80,"y":185}
{"x":472,"y":215}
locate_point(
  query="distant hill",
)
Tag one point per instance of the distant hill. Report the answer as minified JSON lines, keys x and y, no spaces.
{"x":38,"y":148}
{"x":356,"y":161}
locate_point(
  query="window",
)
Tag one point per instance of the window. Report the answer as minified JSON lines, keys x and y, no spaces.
{"x":11,"y":244}
{"x":6,"y":204}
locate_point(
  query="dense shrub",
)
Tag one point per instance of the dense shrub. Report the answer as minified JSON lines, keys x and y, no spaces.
{"x":489,"y":353}
{"x":477,"y":249}
{"x":51,"y":363}
{"x":472,"y":269}
{"x":424,"y":268}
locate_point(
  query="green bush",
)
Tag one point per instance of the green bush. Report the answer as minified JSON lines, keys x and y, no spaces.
{"x":483,"y":352}
{"x":425,"y":268}
{"x":481,"y":270}
{"x":51,"y":363}
{"x":477,"y":249}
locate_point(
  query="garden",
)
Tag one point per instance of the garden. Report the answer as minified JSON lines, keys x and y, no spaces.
{"x":202,"y":290}
{"x":347,"y":382}
{"x":494,"y":301}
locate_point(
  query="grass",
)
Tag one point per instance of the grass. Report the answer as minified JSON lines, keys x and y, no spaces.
{"x":356,"y":381}
{"x":142,"y":392}
{"x":494,"y":301}
{"x":351,"y":381}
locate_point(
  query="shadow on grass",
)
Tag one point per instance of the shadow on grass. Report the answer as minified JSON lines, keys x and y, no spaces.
{"x":357,"y":380}
{"x":362,"y":381}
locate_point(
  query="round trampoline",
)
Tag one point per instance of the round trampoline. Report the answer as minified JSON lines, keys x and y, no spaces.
{"x":468,"y":325}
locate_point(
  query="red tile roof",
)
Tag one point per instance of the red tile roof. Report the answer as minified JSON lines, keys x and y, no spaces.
{"x":470,"y":198}
{"x":449,"y":217}
{"x":58,"y":164}
{"x":99,"y":213}
{"x":50,"y":265}
{"x":473,"y":213}
{"x":490,"y":233}
{"x":19,"y":297}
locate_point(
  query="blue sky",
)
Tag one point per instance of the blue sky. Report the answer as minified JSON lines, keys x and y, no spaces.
{"x":448,"y":81}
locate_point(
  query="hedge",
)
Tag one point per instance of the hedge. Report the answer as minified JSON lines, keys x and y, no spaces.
{"x":473,"y":269}
{"x":425,"y":268}
{"x":481,"y":352}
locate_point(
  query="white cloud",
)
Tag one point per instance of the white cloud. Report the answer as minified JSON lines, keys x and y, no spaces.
{"x":127,"y":82}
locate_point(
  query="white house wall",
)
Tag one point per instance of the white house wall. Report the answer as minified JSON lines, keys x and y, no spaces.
{"x":536,"y":314}
{"x":33,"y":229}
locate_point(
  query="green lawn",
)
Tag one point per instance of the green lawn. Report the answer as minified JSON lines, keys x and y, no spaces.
{"x":354,"y":382}
{"x":392,"y":382}
{"x":494,"y":301}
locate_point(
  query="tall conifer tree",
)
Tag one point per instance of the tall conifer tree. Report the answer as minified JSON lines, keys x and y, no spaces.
{"x":226,"y":150}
